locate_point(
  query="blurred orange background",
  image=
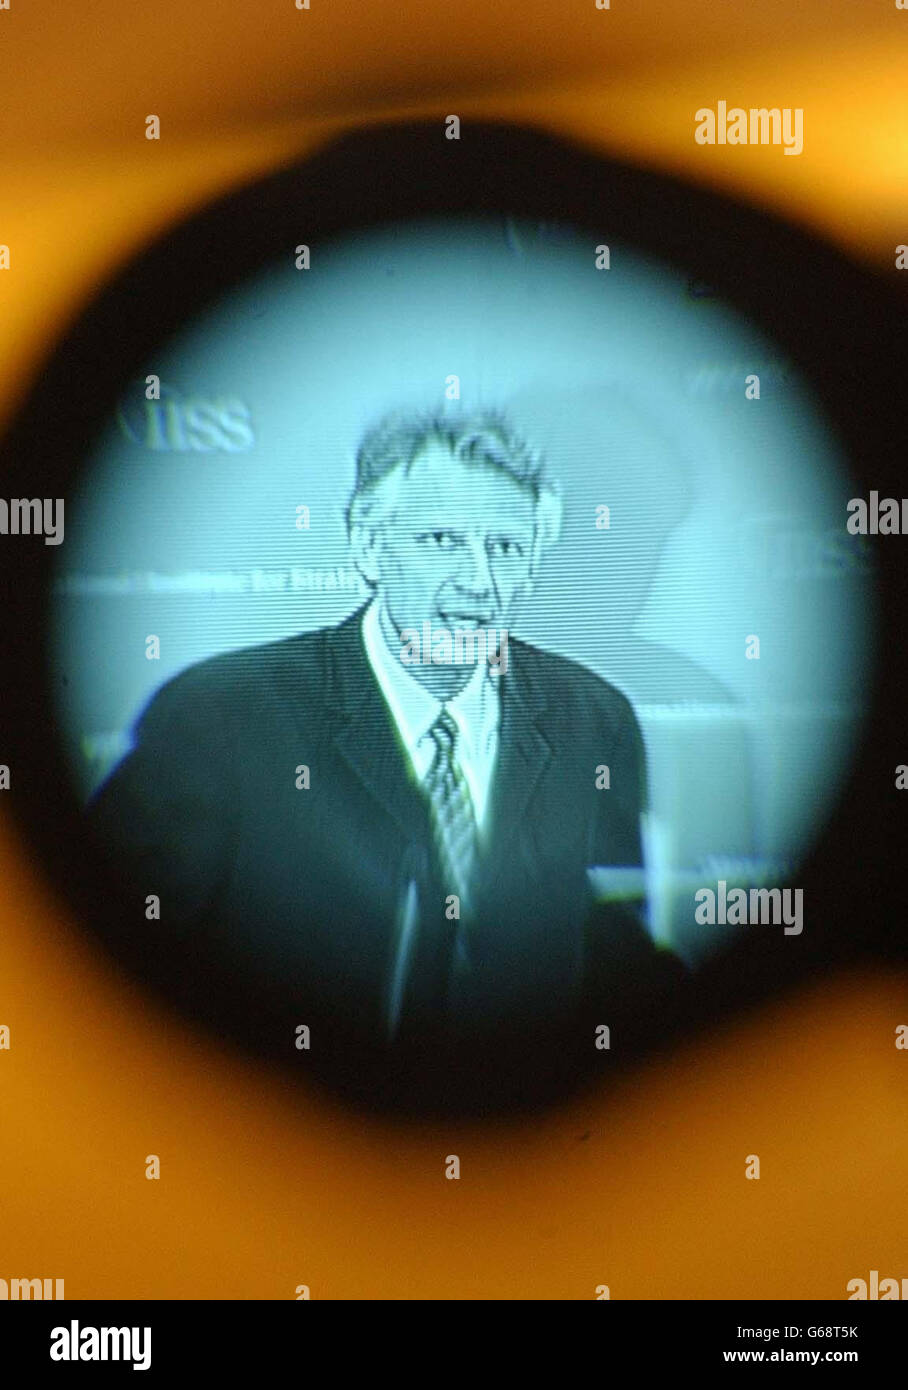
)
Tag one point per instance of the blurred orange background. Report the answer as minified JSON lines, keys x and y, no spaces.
{"x":262,"y":1189}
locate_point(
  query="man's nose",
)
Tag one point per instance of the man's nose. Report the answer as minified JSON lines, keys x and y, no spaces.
{"x":476,"y":572}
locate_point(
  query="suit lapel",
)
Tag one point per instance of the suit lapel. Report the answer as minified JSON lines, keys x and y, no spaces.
{"x":524,"y":756}
{"x":363,"y":730}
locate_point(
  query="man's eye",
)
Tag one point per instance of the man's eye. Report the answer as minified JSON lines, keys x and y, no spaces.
{"x":441,"y":540}
{"x":507,"y":548}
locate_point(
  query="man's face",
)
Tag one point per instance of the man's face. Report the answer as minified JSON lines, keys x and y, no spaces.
{"x":457,"y":550}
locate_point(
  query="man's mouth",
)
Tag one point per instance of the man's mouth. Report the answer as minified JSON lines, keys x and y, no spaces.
{"x":464,"y":619}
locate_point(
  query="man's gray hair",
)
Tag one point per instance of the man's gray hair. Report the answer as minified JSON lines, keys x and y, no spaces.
{"x":389,"y":450}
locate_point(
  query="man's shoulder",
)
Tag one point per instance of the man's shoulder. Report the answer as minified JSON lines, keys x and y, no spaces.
{"x":565,"y":683}
{"x":302,"y":650}
{"x":247,"y":679}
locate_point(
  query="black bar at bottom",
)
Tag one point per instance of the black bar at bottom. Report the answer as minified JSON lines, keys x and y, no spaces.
{"x":218,"y":1338}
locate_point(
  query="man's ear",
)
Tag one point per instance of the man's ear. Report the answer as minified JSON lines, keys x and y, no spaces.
{"x":549,"y":517}
{"x":365,"y":550}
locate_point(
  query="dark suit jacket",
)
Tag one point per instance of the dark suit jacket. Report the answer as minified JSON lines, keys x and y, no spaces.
{"x":290,"y":899}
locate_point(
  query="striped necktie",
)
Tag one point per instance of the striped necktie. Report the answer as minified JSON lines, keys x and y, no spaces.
{"x":451,"y":808}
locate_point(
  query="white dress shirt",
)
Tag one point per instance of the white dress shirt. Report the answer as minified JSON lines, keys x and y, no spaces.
{"x":475,"y":710}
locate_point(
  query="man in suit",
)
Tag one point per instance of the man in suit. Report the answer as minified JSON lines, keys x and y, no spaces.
{"x":382,"y":830}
